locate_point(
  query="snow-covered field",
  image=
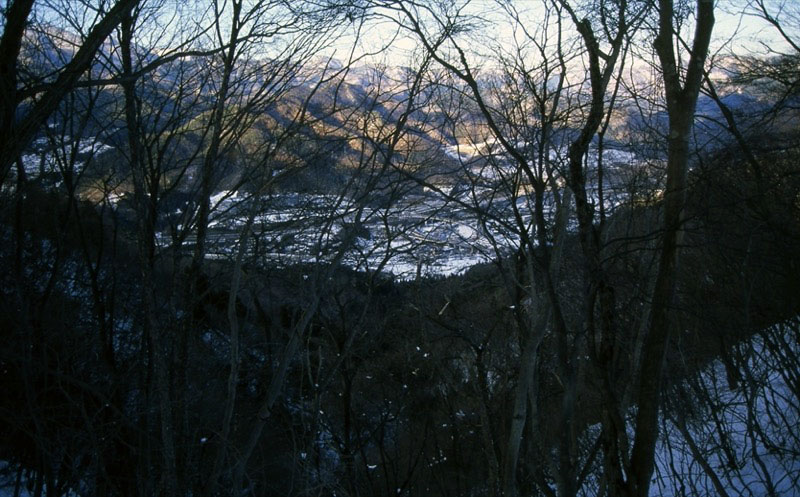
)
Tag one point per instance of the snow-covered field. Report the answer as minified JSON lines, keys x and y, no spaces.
{"x":418,"y":235}
{"x":45,"y":158}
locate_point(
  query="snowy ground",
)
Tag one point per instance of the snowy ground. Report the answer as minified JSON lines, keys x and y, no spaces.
{"x":743,"y":441}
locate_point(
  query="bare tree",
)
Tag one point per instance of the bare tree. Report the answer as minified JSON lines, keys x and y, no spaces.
{"x":681,"y":92}
{"x":18,"y":133}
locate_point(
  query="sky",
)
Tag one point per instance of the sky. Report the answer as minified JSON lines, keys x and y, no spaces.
{"x":733,"y":32}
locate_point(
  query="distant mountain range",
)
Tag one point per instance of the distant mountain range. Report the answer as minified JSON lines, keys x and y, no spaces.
{"x":349,"y":114}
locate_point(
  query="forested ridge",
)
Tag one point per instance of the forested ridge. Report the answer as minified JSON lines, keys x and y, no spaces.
{"x":381,"y":247}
